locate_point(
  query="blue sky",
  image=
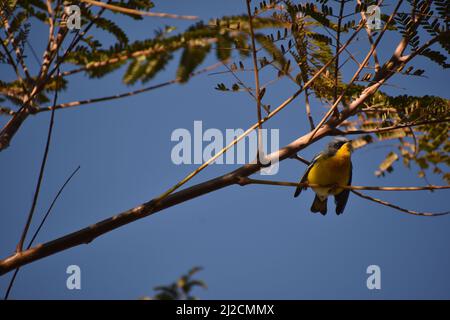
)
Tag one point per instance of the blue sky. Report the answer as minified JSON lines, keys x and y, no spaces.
{"x":254,"y":242}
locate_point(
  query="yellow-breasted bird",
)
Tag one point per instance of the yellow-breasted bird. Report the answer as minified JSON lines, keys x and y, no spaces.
{"x":331,"y":167}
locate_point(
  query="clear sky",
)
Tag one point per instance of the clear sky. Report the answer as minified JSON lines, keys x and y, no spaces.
{"x":254,"y":242}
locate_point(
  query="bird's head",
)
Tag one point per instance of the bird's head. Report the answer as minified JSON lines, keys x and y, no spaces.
{"x":339,"y":144}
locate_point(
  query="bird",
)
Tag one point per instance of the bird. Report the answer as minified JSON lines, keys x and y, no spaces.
{"x":331,"y":167}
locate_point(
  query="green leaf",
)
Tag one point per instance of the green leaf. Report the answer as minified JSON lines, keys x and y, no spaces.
{"x":224,"y":47}
{"x":191,"y":58}
{"x":272,"y":49}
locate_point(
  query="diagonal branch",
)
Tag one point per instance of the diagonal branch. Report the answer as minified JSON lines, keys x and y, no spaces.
{"x":385,"y":203}
{"x":370,"y":38}
{"x":137,"y":12}
{"x":125,"y":94}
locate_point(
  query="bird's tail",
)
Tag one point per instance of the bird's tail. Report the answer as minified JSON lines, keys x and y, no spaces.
{"x":298,"y":191}
{"x":319,"y":205}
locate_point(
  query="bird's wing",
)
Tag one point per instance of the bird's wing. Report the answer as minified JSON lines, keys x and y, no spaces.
{"x":305,"y":175}
{"x":341,"y":199}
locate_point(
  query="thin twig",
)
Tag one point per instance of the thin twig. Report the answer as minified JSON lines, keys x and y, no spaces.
{"x":41,"y":175}
{"x":36,"y":233}
{"x":351,"y":55}
{"x":6,"y":111}
{"x":304,"y":161}
{"x":394,"y":127}
{"x":303,"y":65}
{"x":246,"y":180}
{"x":137,"y":12}
{"x":246,"y":88}
{"x":125,"y":94}
{"x":338,"y":43}
{"x":369,"y":37}
{"x":308,"y":111}
{"x":259,"y":156}
{"x":14,"y":66}
{"x":385,"y":203}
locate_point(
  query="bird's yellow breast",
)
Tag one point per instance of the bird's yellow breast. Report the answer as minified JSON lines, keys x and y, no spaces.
{"x":334,"y":170}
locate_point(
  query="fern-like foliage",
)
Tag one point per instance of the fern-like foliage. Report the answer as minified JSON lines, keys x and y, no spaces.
{"x":434,"y":19}
{"x":426,"y":145}
{"x":180,"y":289}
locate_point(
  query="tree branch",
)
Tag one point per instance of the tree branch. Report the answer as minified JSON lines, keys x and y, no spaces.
{"x":257,"y":88}
{"x":385,"y":203}
{"x":391,"y":128}
{"x":338,"y":43}
{"x":245,"y":181}
{"x":123,"y":95}
{"x":137,"y":12}
{"x":369,"y":37}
